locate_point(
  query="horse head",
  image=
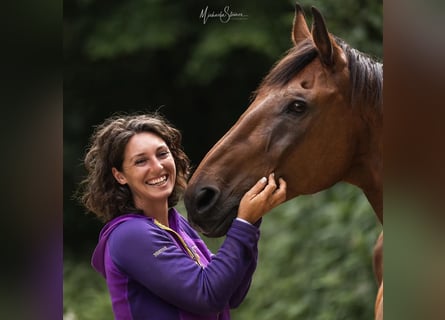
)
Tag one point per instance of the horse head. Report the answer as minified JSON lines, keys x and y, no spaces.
{"x":314,"y":120}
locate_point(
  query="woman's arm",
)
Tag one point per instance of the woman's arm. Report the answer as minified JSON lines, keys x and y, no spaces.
{"x":150,"y":256}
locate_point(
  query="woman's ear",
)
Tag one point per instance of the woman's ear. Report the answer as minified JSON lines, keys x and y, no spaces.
{"x":119,"y":176}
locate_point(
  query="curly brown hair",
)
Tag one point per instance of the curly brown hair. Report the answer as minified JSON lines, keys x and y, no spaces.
{"x":99,"y":192}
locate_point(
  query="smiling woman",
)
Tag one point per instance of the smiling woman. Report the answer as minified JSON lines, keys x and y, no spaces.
{"x":149,"y":171}
{"x":154,"y":263}
{"x":109,"y":195}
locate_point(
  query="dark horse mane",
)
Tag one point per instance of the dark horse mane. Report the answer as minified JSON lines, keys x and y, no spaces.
{"x":366,"y":77}
{"x":366,"y":74}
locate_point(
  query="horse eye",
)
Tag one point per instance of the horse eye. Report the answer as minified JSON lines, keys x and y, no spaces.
{"x":297,"y":107}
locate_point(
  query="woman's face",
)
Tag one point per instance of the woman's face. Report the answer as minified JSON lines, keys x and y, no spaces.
{"x":148,"y":168}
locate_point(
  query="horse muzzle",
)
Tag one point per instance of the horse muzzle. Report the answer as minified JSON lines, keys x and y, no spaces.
{"x":207,"y":211}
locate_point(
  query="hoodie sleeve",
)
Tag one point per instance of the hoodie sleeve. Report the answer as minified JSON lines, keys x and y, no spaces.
{"x":244,"y":286}
{"x":150,"y":256}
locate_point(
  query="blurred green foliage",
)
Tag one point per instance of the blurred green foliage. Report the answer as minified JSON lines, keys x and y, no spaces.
{"x":315,"y":259}
{"x":85,"y":293}
{"x":136,"y":55}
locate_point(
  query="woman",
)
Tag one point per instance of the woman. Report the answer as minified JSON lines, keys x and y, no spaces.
{"x":155,"y":265}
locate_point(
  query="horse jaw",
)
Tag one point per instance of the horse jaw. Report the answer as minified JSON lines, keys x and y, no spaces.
{"x":366,"y":172}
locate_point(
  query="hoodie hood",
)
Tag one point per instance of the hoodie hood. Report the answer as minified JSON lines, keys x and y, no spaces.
{"x":97,"y":260}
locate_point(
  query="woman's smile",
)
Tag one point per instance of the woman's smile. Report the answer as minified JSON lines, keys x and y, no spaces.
{"x":158,"y":181}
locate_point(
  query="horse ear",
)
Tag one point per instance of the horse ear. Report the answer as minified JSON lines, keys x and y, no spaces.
{"x":300,"y":30}
{"x":321,"y":38}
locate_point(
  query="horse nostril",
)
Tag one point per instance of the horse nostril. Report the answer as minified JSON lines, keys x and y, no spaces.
{"x":206,"y":199}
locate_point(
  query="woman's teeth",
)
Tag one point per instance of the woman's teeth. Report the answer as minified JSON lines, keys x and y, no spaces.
{"x":157,"y":181}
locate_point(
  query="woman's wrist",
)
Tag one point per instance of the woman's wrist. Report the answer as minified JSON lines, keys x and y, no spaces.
{"x":243,"y":220}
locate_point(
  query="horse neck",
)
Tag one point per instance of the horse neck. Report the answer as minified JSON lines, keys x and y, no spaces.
{"x":375,"y":197}
{"x":366,"y":170}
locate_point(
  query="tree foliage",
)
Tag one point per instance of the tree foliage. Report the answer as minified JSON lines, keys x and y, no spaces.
{"x":315,"y":259}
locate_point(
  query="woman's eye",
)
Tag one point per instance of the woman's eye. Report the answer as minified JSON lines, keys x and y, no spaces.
{"x":139,"y":162}
{"x":297,"y":107}
{"x":164,"y":154}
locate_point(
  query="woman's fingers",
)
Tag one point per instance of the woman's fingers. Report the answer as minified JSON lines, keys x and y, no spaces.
{"x":271,"y":184}
{"x":262,"y":197}
{"x":271,"y":188}
{"x":276,"y":193}
{"x":272,"y":194}
{"x":280,"y":192}
{"x":258,"y":187}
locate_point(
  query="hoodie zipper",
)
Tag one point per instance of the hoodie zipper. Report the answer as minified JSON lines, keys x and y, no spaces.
{"x":189,"y":251}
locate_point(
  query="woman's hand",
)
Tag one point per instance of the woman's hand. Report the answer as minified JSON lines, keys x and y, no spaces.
{"x":261,"y":198}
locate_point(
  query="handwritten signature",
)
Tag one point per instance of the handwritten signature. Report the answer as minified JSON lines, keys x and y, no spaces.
{"x":224,"y":15}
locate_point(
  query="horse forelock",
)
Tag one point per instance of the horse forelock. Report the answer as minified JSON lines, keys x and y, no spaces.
{"x":366,"y":77}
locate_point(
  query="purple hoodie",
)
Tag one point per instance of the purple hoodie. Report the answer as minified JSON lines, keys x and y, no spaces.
{"x":155,"y":272}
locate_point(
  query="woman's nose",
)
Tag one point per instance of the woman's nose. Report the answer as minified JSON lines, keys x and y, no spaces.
{"x":157,"y":164}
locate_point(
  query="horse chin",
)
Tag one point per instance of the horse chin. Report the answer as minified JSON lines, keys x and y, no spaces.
{"x":216,"y":228}
{"x":220,"y":230}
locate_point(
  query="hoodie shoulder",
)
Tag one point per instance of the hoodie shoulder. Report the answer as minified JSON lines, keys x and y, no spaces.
{"x":97,"y":260}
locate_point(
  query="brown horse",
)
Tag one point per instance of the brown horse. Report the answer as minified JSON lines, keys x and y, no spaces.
{"x":316,"y":119}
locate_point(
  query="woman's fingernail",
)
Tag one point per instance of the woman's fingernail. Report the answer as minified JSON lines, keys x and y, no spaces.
{"x":273,"y":174}
{"x":263,"y":179}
